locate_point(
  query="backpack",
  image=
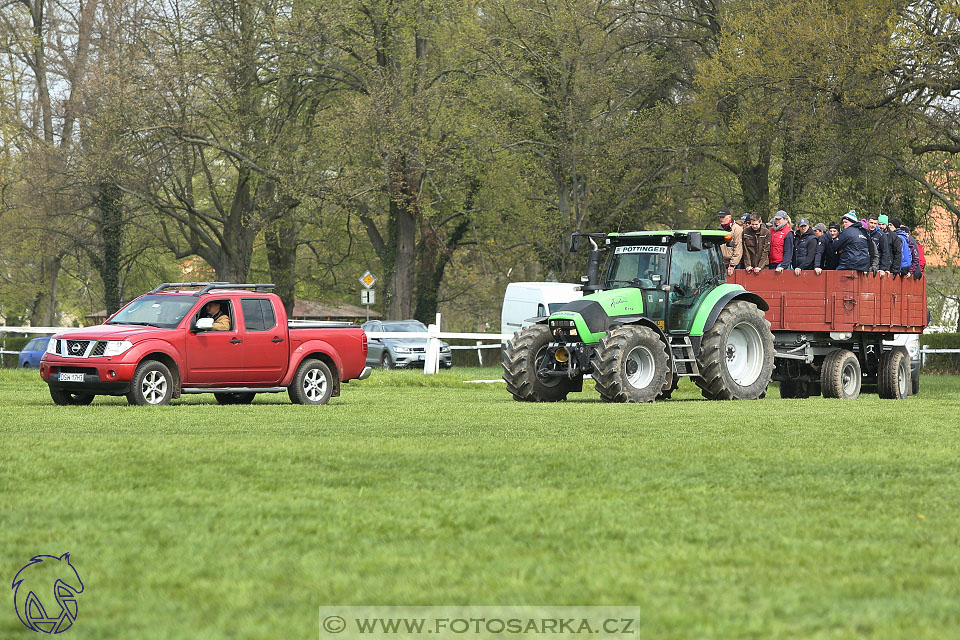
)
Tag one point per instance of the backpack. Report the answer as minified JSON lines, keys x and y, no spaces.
{"x":906,"y":257}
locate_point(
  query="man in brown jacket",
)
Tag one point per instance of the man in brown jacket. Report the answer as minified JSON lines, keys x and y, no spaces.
{"x":756,"y":244}
{"x":732,"y":250}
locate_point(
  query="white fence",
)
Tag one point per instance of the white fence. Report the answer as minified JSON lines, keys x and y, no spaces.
{"x":431,"y":362}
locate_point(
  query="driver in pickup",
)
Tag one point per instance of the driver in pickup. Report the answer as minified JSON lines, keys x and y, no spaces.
{"x":221,"y":321}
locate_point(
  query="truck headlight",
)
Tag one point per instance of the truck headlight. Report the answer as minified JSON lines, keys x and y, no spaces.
{"x":52,"y":347}
{"x":116,"y":347}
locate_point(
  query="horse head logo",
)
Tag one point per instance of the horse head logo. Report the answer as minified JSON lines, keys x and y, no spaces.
{"x":45,"y":593}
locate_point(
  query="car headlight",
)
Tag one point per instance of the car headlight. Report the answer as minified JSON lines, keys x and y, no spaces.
{"x":444,"y":348}
{"x":402,"y":349}
{"x":52,"y":347}
{"x":116,"y":347}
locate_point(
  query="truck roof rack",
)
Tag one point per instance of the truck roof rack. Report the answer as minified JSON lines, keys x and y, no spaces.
{"x":206,"y":287}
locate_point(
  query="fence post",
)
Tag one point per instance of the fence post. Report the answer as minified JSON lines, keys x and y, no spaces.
{"x":431,"y":364}
{"x":479,"y":352}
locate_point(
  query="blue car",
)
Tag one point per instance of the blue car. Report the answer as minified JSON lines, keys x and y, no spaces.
{"x":32,"y":352}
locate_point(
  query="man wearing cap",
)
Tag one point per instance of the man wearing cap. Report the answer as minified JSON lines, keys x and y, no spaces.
{"x":875,"y":231}
{"x":756,"y":244}
{"x":733,"y":250}
{"x":804,"y":247}
{"x":781,"y":242}
{"x":852,"y":245}
{"x":820,"y":232}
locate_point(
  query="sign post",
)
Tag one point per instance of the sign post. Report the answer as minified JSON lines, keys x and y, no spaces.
{"x":368,"y":295}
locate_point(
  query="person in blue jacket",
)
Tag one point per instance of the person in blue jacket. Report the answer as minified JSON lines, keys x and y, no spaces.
{"x":852,"y":245}
{"x":805,"y":247}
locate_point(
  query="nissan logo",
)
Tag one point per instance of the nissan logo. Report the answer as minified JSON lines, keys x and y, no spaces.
{"x":76,"y":348}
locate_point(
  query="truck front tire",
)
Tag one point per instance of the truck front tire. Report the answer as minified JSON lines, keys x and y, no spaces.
{"x":312,"y":384}
{"x":736,"y":355}
{"x":65,"y":398}
{"x":521,"y":359}
{"x":152,"y":384}
{"x":630,"y":365}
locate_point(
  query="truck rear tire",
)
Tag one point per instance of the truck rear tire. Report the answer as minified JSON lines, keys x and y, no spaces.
{"x":521,"y":359}
{"x":736,"y":355}
{"x":630,"y":365}
{"x":840,"y":375}
{"x":152,"y":384}
{"x":234,"y":398}
{"x":65,"y":398}
{"x":893,"y":375}
{"x":312,"y":384}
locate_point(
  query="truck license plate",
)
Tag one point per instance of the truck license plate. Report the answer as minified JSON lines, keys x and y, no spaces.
{"x":71,"y":377}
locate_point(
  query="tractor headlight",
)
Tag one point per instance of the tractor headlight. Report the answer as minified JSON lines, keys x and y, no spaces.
{"x":116,"y":347}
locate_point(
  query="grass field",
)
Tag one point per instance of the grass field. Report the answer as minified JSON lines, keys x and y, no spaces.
{"x":769,"y":519}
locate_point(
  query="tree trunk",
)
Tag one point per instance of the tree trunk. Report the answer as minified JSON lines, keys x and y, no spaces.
{"x":111,"y":241}
{"x":45,"y":306}
{"x":281,"y":240}
{"x":433,"y":261}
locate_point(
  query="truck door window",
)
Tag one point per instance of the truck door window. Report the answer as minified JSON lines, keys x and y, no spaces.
{"x":253,"y":314}
{"x":269,"y":317}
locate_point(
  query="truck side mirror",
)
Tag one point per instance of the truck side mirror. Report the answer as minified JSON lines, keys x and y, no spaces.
{"x":204,"y":324}
{"x":574,"y":242}
{"x":694,"y":241}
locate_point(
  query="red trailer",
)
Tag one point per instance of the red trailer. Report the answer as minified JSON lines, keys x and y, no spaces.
{"x":829,"y":329}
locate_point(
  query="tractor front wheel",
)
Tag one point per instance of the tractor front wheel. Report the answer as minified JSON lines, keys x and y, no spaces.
{"x":736,"y":355}
{"x":630,"y":365}
{"x":522,"y":357}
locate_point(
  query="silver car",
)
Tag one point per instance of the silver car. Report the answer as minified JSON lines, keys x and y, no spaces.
{"x":400,"y":353}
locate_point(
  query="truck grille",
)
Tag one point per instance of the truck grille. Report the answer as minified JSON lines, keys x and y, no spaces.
{"x":98,"y":349}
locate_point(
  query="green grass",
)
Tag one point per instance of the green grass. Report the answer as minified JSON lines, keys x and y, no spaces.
{"x":769,"y":519}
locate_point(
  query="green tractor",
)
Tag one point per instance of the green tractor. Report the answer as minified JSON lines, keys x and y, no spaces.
{"x":664,"y":311}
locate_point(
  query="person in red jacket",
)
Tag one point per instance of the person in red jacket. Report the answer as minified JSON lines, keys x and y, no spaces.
{"x":781,"y":243}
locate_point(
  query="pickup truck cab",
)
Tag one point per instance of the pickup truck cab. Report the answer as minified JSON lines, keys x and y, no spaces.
{"x":163,"y":344}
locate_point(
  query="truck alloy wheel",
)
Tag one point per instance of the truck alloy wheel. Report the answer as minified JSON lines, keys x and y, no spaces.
{"x":152,"y":384}
{"x":630,"y":365}
{"x":312,"y":384}
{"x":840,"y":375}
{"x":522,"y":357}
{"x":736,"y":355}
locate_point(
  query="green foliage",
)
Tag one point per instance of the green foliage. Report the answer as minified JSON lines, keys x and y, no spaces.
{"x":941,"y":362}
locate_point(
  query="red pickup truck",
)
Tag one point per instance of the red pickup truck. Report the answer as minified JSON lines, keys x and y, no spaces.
{"x":164,"y":344}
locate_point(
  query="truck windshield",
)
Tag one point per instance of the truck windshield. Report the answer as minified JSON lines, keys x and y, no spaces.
{"x":155,"y":311}
{"x":641,"y":266}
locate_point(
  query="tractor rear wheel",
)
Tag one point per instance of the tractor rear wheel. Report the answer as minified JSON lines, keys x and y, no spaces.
{"x":840,"y":375}
{"x":630,"y":365}
{"x":522,"y":358}
{"x":893,"y":377}
{"x":736,"y":355}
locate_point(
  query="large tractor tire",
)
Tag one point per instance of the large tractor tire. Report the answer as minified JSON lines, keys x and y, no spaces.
{"x":893,"y":376}
{"x":736,"y":355}
{"x":840,"y":375}
{"x":521,"y":359}
{"x":631,"y":365}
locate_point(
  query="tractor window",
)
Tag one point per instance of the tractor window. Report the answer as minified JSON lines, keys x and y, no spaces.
{"x":637,"y":266}
{"x":691,"y":278}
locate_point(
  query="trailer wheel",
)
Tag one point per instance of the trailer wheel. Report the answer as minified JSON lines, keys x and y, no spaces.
{"x":736,"y":355}
{"x":840,"y":376}
{"x":630,"y":365}
{"x":521,"y":359}
{"x":893,"y":375}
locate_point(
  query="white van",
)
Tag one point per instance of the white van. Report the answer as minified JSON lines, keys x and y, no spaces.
{"x":525,"y":300}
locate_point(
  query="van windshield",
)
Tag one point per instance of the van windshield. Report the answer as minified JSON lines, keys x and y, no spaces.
{"x":641,"y":266}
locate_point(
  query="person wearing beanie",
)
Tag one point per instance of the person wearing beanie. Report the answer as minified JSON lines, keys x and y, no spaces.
{"x":852,"y":245}
{"x":829,"y":258}
{"x":883,"y":220}
{"x":893,"y":242}
{"x":733,"y":250}
{"x":781,"y":242}
{"x":820,"y":233}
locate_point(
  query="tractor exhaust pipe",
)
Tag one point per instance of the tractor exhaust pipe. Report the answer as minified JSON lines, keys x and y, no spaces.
{"x":591,"y":281}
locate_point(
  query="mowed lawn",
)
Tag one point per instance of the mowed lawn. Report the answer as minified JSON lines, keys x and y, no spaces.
{"x":768,"y":519}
